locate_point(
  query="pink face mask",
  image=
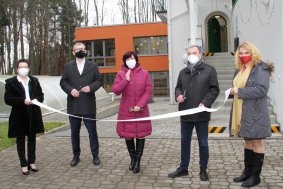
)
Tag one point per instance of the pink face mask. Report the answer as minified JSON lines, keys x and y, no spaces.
{"x":245,"y":59}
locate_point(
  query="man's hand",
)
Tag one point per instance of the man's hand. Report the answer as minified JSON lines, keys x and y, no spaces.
{"x":75,"y":93}
{"x":128,"y":75}
{"x":180,"y":99}
{"x":85,"y":89}
{"x":28,"y":102}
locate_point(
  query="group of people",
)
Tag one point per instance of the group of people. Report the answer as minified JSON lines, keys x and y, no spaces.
{"x":197,"y":86}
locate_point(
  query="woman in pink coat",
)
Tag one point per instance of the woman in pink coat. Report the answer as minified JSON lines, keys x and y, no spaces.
{"x":135,"y":86}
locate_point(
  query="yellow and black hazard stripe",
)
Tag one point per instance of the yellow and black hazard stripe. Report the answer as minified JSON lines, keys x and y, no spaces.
{"x":208,"y":54}
{"x":216,"y":130}
{"x":275,"y":128}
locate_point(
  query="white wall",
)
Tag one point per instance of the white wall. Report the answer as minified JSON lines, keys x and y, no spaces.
{"x":178,"y":21}
{"x":263,"y":25}
{"x":178,"y":34}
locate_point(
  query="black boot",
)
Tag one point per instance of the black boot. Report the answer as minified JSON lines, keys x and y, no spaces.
{"x":131,"y":149}
{"x":139,"y":152}
{"x":248,"y":161}
{"x":254,"y":179}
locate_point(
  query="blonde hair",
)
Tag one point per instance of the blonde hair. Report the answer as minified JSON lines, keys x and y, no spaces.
{"x":251,"y":48}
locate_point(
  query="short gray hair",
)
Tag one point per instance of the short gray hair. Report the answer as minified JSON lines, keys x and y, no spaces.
{"x":193,"y":46}
{"x":78,"y":44}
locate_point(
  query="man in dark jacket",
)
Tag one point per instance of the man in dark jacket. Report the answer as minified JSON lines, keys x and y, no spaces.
{"x":197,"y":86}
{"x":80,"y":80}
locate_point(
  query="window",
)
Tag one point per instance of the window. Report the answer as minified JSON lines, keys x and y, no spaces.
{"x":102,"y":52}
{"x":160,"y":83}
{"x":151,"y":45}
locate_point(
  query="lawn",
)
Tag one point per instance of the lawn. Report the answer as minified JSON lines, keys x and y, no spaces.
{"x":6,"y":142}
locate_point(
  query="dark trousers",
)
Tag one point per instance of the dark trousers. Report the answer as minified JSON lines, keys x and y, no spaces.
{"x":186,"y":138}
{"x":75,"y":134}
{"x":21,"y":148}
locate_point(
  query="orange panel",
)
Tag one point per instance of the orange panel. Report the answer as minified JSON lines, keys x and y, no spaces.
{"x":123,"y":35}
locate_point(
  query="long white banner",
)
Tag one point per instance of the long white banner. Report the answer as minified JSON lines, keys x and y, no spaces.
{"x":163,"y":116}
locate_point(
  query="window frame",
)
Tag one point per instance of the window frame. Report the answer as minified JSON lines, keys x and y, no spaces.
{"x":104,"y":57}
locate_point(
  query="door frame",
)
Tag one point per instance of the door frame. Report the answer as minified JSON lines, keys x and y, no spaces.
{"x":228,"y":21}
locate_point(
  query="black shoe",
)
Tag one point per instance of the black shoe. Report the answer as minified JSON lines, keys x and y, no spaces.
{"x":25,"y":172}
{"x":96,"y":160}
{"x":75,"y":161}
{"x":203,"y":175}
{"x":178,"y":173}
{"x":241,"y":178}
{"x":32,"y":169}
{"x":252,"y":181}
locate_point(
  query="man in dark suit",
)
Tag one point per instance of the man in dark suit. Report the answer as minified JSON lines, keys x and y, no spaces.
{"x":80,"y":80}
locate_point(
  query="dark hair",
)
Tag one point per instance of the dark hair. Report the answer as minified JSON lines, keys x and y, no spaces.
{"x":23,"y":60}
{"x":129,"y":54}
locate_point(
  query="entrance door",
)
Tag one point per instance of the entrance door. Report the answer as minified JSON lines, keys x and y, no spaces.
{"x":217,"y":34}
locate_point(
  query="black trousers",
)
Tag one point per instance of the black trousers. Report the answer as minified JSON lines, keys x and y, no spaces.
{"x":21,"y":148}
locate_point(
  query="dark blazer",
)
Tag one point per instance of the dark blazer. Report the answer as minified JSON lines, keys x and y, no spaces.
{"x":23,"y":120}
{"x":199,"y":86}
{"x":71,"y":79}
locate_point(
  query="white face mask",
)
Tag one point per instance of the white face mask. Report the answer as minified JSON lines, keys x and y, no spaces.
{"x":23,"y":71}
{"x":193,"y":59}
{"x":131,"y":63}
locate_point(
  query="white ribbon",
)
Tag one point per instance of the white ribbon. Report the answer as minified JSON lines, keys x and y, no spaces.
{"x":163,"y":116}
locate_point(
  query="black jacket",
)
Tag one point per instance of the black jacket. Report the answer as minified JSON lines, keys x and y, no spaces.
{"x":200,"y":86}
{"x":71,"y":79}
{"x":23,"y":120}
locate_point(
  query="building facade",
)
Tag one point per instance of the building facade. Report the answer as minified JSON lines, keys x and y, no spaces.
{"x":220,"y":26}
{"x":107,"y":44}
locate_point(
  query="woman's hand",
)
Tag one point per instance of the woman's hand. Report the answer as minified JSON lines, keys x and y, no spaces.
{"x":137,"y":109}
{"x":128,"y":75}
{"x":234,"y":91}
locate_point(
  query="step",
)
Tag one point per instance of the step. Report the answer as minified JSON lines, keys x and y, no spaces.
{"x":107,"y":111}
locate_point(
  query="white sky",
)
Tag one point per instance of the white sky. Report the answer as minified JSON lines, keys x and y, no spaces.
{"x":112,"y":13}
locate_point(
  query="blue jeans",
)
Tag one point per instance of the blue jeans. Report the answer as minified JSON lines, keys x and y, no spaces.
{"x":75,"y":134}
{"x":186,"y":138}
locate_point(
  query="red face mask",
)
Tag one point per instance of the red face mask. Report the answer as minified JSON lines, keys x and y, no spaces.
{"x":245,"y":59}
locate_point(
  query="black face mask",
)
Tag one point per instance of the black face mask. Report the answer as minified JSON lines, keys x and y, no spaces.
{"x":80,"y":54}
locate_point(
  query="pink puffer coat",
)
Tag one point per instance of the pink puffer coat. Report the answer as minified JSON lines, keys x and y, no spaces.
{"x":136,"y":92}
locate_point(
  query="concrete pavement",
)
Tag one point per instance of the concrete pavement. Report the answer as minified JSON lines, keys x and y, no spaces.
{"x":161,"y":156}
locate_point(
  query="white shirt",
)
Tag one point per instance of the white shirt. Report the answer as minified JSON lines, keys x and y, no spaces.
{"x":81,"y":66}
{"x":26,"y":87}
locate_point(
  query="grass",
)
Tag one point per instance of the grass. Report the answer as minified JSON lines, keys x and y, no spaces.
{"x":6,"y":142}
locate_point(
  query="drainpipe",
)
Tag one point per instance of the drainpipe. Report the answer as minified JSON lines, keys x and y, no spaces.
{"x":171,"y":85}
{"x":193,"y":19}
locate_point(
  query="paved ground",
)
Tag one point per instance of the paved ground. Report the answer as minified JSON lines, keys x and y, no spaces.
{"x":161,"y":156}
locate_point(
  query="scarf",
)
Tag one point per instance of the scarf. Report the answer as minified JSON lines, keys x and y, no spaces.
{"x":239,"y":81}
